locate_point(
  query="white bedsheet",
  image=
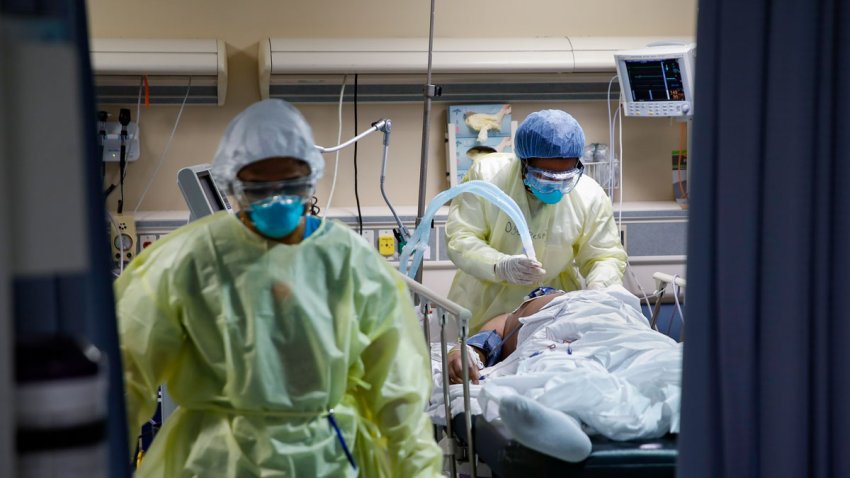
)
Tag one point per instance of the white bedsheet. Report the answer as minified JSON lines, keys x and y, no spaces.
{"x":590,"y":354}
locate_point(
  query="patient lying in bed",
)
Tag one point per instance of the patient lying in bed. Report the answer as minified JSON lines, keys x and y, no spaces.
{"x":576,"y":363}
{"x":497,"y":339}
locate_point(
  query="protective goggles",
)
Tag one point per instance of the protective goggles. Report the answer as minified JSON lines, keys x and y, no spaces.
{"x":546,"y":181}
{"x":253,"y":192}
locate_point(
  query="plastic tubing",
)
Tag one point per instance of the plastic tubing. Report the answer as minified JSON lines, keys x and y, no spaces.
{"x":418,"y":242}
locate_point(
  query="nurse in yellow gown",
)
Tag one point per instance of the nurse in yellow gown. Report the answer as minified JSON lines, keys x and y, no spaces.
{"x":290,"y":346}
{"x":569,"y":217}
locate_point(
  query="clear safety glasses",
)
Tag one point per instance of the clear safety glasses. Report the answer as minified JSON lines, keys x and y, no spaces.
{"x":253,"y":192}
{"x":547,"y":181}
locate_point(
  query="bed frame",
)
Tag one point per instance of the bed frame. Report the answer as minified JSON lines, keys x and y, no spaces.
{"x":428,"y":302}
{"x":655,"y":458}
{"x":662,"y":280}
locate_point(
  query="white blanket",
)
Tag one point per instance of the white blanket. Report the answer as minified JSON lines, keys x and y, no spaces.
{"x":590,"y":354}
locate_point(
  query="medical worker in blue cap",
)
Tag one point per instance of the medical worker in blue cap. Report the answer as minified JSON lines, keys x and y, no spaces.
{"x":291,"y":347}
{"x":569,"y":216}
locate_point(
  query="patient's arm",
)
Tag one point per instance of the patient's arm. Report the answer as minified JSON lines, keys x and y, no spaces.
{"x":496,"y":324}
{"x":504,"y":325}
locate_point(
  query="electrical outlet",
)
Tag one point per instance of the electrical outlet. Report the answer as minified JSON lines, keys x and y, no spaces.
{"x":623,"y":236}
{"x":147,"y":239}
{"x":123,"y":239}
{"x":386,"y":242}
{"x":369,"y":236}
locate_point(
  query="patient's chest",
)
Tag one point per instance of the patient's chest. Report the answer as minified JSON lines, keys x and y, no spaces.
{"x":512,"y":323}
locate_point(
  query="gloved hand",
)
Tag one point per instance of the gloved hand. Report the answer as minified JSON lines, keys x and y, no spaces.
{"x":520,"y":270}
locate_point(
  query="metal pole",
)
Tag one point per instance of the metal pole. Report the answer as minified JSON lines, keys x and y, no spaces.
{"x":425,"y":308}
{"x":430,"y":92}
{"x":659,"y":294}
{"x":447,"y":404}
{"x":467,"y":410}
{"x":690,"y":157}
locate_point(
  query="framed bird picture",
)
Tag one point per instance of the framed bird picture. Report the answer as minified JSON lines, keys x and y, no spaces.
{"x":473,"y":131}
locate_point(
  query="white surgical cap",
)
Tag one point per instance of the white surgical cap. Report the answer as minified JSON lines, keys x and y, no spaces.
{"x":267,"y":129}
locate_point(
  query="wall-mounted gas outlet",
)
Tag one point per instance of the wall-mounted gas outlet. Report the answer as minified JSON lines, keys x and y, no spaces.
{"x":386,"y":242}
{"x":123,"y":239}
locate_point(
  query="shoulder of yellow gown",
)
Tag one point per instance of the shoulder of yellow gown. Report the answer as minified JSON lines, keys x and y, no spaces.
{"x":488,"y":165}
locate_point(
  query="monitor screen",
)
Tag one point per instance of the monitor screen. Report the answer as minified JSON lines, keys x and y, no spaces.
{"x":210,"y":191}
{"x":656,"y":80}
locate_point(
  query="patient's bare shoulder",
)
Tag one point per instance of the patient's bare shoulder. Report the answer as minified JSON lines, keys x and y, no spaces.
{"x":506,"y":325}
{"x":497,"y":323}
{"x":534,"y":305}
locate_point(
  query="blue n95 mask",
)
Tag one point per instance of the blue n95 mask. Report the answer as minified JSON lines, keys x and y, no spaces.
{"x":275,"y":207}
{"x":278,"y":216}
{"x":552,"y":197}
{"x":551,"y":186}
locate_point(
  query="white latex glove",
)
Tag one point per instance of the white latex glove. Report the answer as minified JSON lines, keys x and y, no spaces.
{"x":520,"y":270}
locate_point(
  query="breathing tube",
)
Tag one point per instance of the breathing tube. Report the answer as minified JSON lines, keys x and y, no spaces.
{"x":418,"y":243}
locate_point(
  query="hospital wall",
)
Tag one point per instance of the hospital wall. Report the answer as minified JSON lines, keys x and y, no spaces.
{"x":241,"y":24}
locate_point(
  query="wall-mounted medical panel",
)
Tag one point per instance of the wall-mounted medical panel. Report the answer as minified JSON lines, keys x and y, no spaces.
{"x":466,"y":69}
{"x":656,"y":241}
{"x":172,"y":69}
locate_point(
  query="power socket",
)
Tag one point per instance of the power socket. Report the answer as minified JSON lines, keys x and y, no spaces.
{"x":623,"y":237}
{"x":146,"y":240}
{"x":123,"y":239}
{"x":368,"y":235}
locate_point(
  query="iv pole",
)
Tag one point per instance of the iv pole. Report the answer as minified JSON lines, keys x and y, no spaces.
{"x":430,"y":91}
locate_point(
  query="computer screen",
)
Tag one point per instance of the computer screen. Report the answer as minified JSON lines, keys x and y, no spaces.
{"x":657,"y":80}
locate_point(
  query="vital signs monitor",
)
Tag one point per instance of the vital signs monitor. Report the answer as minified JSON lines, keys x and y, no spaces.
{"x":657,"y":80}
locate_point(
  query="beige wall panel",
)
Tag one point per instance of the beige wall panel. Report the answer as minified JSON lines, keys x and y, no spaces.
{"x":241,"y":24}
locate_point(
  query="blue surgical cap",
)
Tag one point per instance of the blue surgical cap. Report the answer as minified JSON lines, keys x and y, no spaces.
{"x":267,"y":129}
{"x":549,"y":134}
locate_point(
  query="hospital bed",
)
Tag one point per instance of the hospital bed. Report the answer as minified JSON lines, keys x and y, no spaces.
{"x":472,"y":439}
{"x":662,"y":280}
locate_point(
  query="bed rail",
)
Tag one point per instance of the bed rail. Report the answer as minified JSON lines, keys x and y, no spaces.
{"x":427,"y":300}
{"x":661,"y":282}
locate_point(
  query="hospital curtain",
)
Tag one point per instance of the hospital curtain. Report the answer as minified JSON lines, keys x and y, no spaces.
{"x":58,"y":299}
{"x":766,"y":385}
